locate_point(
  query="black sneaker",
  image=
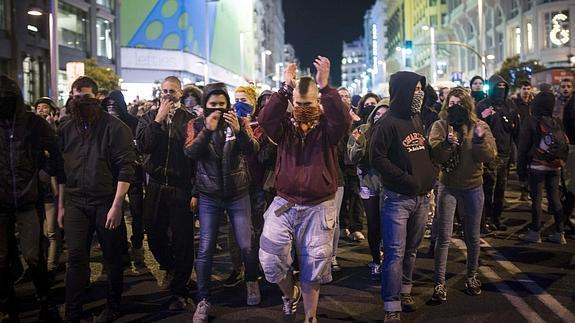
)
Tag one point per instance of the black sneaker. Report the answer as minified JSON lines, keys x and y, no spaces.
{"x":289,"y":307}
{"x":233,"y":279}
{"x":407,"y":303}
{"x":179,"y":303}
{"x":439,"y":293}
{"x":109,"y":314}
{"x":473,"y":286}
{"x":392,"y":317}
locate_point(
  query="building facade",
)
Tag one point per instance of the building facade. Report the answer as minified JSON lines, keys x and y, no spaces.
{"x":241,"y":40}
{"x":25,"y":41}
{"x":539,"y":30}
{"x":375,"y":44}
{"x":354,"y":66}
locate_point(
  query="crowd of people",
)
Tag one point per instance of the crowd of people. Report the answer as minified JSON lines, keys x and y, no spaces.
{"x":294,"y":171}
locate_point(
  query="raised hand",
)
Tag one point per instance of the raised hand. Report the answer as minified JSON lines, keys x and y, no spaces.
{"x":322,"y":65}
{"x":289,"y":75}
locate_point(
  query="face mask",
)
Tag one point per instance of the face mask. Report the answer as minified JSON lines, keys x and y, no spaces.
{"x":478,"y":95}
{"x":209,"y":111}
{"x":8,"y":106}
{"x":498,"y":94}
{"x":367,"y":110}
{"x":242,"y":109}
{"x":112,"y":108}
{"x":457,"y":116}
{"x":417,"y":102}
{"x":171,"y":97}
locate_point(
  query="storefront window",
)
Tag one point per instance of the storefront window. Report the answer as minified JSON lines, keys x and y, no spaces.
{"x":104,"y":32}
{"x":72,"y":27}
{"x":557,"y":31}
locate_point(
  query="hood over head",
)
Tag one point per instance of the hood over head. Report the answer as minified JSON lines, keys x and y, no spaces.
{"x":115,"y":104}
{"x":542,"y":105}
{"x":401,"y":89}
{"x":262,"y":101}
{"x":431,"y":96}
{"x":493,"y":80}
{"x":382,"y":102}
{"x":215,"y":89}
{"x":473,"y":80}
{"x":11,"y":100}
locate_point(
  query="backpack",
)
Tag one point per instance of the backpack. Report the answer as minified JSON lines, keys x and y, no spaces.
{"x":553,"y":147}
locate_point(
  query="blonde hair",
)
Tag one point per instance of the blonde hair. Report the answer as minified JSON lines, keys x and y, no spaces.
{"x":466,"y":101}
{"x":250,"y":92}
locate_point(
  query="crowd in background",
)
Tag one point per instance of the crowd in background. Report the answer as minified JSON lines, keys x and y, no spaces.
{"x":294,"y":171}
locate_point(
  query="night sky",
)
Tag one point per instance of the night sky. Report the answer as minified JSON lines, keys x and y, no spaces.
{"x":318,"y":27}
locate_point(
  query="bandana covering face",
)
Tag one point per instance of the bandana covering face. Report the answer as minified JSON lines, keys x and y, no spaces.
{"x":307,"y":115}
{"x":457,"y":116}
{"x":243,"y":109}
{"x":417,"y":102}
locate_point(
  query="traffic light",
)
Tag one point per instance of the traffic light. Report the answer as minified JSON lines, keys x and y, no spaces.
{"x":408,"y":45}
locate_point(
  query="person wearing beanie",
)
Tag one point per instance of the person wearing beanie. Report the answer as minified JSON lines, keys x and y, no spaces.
{"x":476,"y":85}
{"x":160,"y":136}
{"x":29,"y":137}
{"x":218,"y":142}
{"x":192,"y":100}
{"x":543,"y":150}
{"x":47,"y":109}
{"x":500,"y":113}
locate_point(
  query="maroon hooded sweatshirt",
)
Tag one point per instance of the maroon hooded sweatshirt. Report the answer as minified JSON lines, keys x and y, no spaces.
{"x":307,"y":166}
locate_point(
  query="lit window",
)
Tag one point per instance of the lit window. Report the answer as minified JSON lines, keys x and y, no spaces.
{"x":517,"y":40}
{"x":104,"y":32}
{"x":72,"y":27}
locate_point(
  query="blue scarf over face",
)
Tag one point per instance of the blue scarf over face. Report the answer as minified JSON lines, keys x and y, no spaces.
{"x":243,"y":109}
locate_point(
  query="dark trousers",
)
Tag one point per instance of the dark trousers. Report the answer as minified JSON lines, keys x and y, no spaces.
{"x":372,"y":212}
{"x":80,"y":222}
{"x":351,"y":206}
{"x":494,"y":184}
{"x":259,"y":206}
{"x":167,"y":208}
{"x":136,"y":196}
{"x":27,"y":223}
{"x":549,"y":179}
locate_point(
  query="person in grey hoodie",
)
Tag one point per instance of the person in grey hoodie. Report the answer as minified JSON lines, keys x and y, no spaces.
{"x":399,"y":151}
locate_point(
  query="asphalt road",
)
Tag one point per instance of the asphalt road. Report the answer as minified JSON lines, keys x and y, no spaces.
{"x":521,"y":283}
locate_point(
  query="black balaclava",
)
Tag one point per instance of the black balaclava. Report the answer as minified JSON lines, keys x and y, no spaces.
{"x":457,"y":116}
{"x":10,"y":97}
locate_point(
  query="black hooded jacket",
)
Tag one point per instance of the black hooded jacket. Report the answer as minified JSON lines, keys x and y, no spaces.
{"x":95,"y":163}
{"x":569,"y":120}
{"x":399,"y":150}
{"x":505,"y":123}
{"x":541,"y":106}
{"x":220,"y":155}
{"x":24,"y":140}
{"x":116,"y":102}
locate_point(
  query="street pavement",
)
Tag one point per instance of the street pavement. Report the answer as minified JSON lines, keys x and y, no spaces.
{"x":521,"y":283}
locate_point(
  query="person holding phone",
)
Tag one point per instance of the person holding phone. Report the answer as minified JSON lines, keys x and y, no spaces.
{"x":460,"y":144}
{"x":160,"y":136}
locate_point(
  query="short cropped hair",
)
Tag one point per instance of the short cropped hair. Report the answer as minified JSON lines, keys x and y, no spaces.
{"x":173,"y":79}
{"x":85,"y":81}
{"x":304,"y":84}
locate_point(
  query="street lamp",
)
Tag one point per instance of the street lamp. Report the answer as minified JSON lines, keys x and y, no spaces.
{"x":432,"y":59}
{"x":54,"y":60}
{"x":265,"y":52}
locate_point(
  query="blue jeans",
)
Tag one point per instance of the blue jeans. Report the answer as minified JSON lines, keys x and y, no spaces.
{"x":472,"y":202}
{"x":239,"y":213}
{"x":403,"y":224}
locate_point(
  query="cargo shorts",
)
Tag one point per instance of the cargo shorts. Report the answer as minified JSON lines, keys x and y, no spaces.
{"x":309,"y":229}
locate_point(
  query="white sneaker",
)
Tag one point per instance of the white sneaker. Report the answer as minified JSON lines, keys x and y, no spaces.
{"x":357,"y":236}
{"x":558,"y":237}
{"x":254,"y":296}
{"x":531,"y":236}
{"x":201,"y":314}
